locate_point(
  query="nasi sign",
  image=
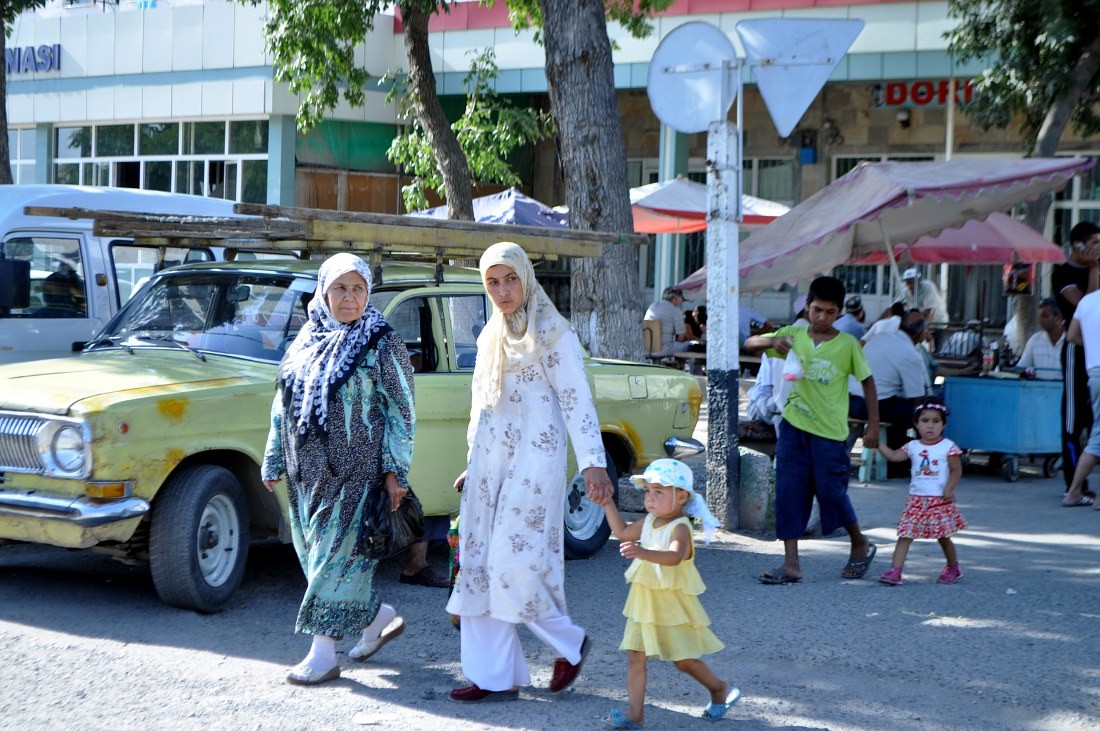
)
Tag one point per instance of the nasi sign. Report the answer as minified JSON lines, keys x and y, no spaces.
{"x":31,"y":58}
{"x":922,"y":93}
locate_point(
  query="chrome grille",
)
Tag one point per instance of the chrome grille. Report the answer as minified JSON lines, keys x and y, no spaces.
{"x":19,"y":443}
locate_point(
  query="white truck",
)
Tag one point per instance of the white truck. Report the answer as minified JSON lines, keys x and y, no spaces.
{"x":59,"y":281}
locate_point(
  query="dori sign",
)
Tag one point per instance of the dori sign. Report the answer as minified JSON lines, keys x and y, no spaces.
{"x":926,"y":92}
{"x":31,"y":58}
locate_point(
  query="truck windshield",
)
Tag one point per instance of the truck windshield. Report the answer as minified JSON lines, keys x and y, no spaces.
{"x":238,"y":314}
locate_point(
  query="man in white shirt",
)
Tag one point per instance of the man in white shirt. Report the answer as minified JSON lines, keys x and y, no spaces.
{"x":1042,"y":356}
{"x":931,"y":303}
{"x":1084,"y":330}
{"x":853,"y":318}
{"x":894,"y":360}
{"x":674,"y":337}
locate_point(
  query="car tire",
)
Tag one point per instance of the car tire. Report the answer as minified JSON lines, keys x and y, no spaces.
{"x":586,"y":528}
{"x":198,"y":541}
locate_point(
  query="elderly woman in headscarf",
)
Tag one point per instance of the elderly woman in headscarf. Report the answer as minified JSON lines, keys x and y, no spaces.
{"x":342,"y":425}
{"x":530,"y":394}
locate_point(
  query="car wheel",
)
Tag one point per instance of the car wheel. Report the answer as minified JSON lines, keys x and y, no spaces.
{"x":586,"y":528}
{"x":198,"y":541}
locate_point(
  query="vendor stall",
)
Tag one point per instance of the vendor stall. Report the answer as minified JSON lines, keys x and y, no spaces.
{"x":1006,"y":416}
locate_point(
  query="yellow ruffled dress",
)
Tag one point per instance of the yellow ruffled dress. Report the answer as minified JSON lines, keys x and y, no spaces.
{"x":664,"y":618}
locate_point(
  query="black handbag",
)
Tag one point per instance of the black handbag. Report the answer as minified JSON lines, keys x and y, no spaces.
{"x":386,"y":532}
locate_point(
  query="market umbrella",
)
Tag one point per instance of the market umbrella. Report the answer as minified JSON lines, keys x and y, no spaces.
{"x":999,"y":239}
{"x":878,"y":205}
{"x":508,"y":206}
{"x":679,"y":206}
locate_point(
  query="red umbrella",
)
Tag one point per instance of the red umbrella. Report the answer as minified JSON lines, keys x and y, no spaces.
{"x":998,"y":239}
{"x":680,"y":206}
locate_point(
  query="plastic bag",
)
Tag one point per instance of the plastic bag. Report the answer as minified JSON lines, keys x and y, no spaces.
{"x":792,"y":367}
{"x":386,"y":532}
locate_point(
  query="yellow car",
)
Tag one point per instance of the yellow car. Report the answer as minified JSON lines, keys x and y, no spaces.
{"x":147,"y":445}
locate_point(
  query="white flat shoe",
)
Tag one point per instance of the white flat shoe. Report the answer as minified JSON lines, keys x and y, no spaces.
{"x":366,"y":648}
{"x":305,"y":675}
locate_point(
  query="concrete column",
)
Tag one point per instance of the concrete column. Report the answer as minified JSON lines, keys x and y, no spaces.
{"x":281,"y":135}
{"x":43,"y":153}
{"x":672,"y":161}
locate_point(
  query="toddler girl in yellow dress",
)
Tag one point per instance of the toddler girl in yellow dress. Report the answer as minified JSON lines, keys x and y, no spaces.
{"x":664,"y":617}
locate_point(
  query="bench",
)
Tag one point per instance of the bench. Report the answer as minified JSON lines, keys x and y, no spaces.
{"x":872,"y":465}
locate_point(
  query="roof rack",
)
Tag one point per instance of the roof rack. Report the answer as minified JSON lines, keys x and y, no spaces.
{"x":320,"y":231}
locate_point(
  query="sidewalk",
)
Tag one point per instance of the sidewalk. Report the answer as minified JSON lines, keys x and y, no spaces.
{"x":1012,"y":646}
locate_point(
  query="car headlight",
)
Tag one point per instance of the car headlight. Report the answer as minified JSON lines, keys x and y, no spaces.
{"x":64,"y":448}
{"x":68,"y":449}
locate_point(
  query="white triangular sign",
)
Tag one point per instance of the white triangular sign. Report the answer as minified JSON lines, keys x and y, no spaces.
{"x":791,"y":60}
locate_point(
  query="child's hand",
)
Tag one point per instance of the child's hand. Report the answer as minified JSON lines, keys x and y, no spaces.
{"x":630,"y":549}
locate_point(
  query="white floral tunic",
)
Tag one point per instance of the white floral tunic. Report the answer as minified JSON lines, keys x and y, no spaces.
{"x":513,"y":501}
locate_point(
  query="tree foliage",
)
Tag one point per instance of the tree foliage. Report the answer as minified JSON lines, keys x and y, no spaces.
{"x":1033,"y":48}
{"x":490,"y":129}
{"x":1044,"y":68}
{"x":632,"y":15}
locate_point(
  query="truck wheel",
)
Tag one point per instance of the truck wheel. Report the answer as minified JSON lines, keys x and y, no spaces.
{"x":586,"y":528}
{"x":1010,"y":467}
{"x":198,"y":541}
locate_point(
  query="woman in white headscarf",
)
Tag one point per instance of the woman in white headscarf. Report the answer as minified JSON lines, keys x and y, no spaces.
{"x":530,"y":395}
{"x":341,"y":425}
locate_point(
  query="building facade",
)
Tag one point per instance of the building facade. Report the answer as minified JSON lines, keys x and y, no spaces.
{"x":180,"y":95}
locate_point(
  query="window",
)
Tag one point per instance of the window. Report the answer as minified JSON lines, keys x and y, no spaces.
{"x":467,"y":316}
{"x":57,"y":280}
{"x":21,"y":144}
{"x":412,"y":319}
{"x":1079,"y":201}
{"x":133,"y":263}
{"x":114,"y":140}
{"x":220,"y":159}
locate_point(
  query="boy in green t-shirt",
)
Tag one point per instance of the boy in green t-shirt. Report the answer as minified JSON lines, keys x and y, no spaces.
{"x":811,"y":457}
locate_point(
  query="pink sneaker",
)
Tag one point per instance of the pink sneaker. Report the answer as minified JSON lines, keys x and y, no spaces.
{"x":891,"y":576}
{"x":950,"y":575}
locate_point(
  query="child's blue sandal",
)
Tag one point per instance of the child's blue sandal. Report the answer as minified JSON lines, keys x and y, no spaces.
{"x":718,"y":711}
{"x":617,"y":719}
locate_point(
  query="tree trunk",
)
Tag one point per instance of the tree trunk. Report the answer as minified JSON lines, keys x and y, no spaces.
{"x":5,"y":153}
{"x":607,"y":311}
{"x":452,"y":161}
{"x":1046,"y":145}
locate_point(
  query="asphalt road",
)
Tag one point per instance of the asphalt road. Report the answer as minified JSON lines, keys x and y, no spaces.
{"x":86,"y":644}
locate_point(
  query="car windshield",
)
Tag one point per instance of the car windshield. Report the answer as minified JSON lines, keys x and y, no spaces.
{"x":229,"y":313}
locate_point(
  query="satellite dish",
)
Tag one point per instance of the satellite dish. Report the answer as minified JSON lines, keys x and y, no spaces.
{"x":692,"y":77}
{"x":791,"y":60}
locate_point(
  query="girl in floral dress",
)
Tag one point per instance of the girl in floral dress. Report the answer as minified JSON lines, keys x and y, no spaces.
{"x":665,"y":619}
{"x":930,"y":511}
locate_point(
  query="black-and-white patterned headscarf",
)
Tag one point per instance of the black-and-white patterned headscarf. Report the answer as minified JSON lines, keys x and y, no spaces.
{"x":326,"y":351}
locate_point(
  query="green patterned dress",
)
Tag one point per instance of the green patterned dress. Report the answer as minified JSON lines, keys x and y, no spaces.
{"x":329,"y":473}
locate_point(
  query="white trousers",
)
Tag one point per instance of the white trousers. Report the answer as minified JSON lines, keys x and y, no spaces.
{"x":492,"y":657}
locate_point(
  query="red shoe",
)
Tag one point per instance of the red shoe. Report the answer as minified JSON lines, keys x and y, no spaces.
{"x":565,"y":673}
{"x":474,"y":694}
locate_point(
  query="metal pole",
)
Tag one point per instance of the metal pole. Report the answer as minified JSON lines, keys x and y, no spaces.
{"x":723,"y":347}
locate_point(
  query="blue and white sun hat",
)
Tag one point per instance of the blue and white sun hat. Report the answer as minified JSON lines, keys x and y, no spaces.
{"x":674,"y":473}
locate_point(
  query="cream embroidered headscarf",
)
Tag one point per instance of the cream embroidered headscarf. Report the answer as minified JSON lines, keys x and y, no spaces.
{"x":509,"y":343}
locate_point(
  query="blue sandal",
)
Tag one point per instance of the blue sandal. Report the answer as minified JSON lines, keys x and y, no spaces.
{"x":718,"y":711}
{"x":617,"y":719}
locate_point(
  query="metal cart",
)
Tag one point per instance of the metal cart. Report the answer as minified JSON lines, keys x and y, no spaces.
{"x":1006,"y":416}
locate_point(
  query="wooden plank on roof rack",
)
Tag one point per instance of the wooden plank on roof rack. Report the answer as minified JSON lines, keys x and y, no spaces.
{"x":394,"y":232}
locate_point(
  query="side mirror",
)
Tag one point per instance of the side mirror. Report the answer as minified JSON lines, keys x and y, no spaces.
{"x":15,"y":284}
